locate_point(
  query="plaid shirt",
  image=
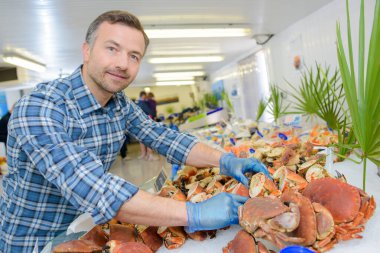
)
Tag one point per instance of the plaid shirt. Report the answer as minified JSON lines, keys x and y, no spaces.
{"x":61,"y":145}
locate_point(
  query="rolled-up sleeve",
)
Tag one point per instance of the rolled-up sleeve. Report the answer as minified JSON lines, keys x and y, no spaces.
{"x":175,"y":146}
{"x":73,"y":169}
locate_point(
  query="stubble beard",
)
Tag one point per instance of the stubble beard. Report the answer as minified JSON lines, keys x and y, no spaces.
{"x":100,"y":81}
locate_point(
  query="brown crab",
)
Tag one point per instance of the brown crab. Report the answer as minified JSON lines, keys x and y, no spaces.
{"x":350,"y":207}
{"x":292,"y":218}
{"x":115,"y":246}
{"x":271,"y":219}
{"x":245,"y":243}
{"x":174,"y":237}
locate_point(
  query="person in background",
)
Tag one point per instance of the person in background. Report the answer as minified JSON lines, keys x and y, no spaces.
{"x":64,"y":136}
{"x":152,"y":105}
{"x":142,"y":102}
{"x":4,"y":126}
{"x":145,"y":152}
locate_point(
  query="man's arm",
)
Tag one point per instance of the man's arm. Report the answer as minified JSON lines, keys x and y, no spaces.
{"x":202,"y":156}
{"x":146,"y":208}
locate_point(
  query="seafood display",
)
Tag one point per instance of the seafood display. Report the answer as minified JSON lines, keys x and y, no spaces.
{"x":303,"y":205}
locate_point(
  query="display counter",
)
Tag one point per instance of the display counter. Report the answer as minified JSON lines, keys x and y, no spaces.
{"x":370,"y":242}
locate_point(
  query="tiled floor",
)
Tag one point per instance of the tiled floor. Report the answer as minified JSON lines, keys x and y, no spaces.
{"x":135,"y":170}
{"x":139,"y":171}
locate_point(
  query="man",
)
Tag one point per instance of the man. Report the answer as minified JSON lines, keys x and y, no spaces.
{"x":65,"y":135}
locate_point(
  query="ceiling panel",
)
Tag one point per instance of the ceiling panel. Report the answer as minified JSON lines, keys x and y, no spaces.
{"x":53,"y":31}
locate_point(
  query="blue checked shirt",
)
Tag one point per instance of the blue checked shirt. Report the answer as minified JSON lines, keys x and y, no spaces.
{"x":61,"y":145}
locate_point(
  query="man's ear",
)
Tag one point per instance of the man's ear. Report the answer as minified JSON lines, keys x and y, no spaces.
{"x":85,"y":51}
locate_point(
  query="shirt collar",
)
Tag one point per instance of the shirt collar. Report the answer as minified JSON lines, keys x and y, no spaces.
{"x":85,"y":99}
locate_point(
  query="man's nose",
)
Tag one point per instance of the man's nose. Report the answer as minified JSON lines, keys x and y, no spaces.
{"x":122,"y":61}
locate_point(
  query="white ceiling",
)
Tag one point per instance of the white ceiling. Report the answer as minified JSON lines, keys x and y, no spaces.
{"x":53,"y":31}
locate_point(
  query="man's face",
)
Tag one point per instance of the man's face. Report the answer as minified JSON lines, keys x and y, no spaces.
{"x":114,"y":59}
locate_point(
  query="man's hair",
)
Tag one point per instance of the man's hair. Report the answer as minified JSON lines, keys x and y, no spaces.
{"x":142,"y":93}
{"x":113,"y":17}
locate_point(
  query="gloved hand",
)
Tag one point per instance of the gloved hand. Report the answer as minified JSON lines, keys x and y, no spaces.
{"x":236,"y":167}
{"x":217,"y":212}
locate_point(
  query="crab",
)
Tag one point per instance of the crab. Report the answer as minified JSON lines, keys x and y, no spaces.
{"x":350,"y":207}
{"x":124,"y":233}
{"x":290,"y":219}
{"x":149,"y":236}
{"x":170,"y":191}
{"x":262,"y":186}
{"x":77,"y":246}
{"x":271,"y":219}
{"x":174,"y":237}
{"x":96,"y":235}
{"x":316,"y":225}
{"x":115,"y":246}
{"x":289,"y":157}
{"x":233,"y":186}
{"x":289,"y":179}
{"x":244,"y":243}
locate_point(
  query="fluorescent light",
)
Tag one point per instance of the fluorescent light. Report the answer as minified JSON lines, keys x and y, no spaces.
{"x":171,"y":78}
{"x":184,"y":59}
{"x":181,"y":82}
{"x":180,"y":67}
{"x":179,"y":74}
{"x":198,"y":31}
{"x":25,"y":63}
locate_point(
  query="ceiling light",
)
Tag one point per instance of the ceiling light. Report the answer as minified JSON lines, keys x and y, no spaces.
{"x":197,"y":31}
{"x":178,"y":82}
{"x":24,"y":62}
{"x":184,"y":59}
{"x":178,"y":67}
{"x":171,"y":78}
{"x":179,"y":74}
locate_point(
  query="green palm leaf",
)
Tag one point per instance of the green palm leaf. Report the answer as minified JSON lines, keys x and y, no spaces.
{"x":276,"y":103}
{"x":261,"y":108}
{"x":362,"y":97}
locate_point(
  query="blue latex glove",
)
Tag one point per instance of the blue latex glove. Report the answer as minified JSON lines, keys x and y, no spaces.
{"x":236,"y":167}
{"x":217,"y":212}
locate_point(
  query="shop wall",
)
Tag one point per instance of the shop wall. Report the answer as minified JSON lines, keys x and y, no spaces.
{"x":184,"y":94}
{"x":313,"y":38}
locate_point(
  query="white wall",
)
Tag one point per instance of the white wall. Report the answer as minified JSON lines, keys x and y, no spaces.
{"x":314,"y":38}
{"x":12,"y":97}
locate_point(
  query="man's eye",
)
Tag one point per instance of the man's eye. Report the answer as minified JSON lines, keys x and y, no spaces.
{"x":135,"y":57}
{"x":111,"y":49}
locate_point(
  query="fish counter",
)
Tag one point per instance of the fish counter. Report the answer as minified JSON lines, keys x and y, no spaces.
{"x":353,"y":173}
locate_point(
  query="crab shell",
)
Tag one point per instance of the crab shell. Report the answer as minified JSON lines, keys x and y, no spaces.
{"x":124,"y":233}
{"x":259,"y":209}
{"x":198,"y":235}
{"x":341,"y":199}
{"x":174,"y":237}
{"x":77,"y":246}
{"x":96,"y":235}
{"x":307,"y":227}
{"x":127,"y":247}
{"x":150,"y":237}
{"x":262,"y":186}
{"x":172,"y":192}
{"x":242,"y":243}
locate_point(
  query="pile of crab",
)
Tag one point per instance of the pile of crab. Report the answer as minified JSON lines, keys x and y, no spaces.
{"x":303,"y":205}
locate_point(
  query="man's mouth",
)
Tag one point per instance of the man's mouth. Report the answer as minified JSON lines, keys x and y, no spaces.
{"x":119,"y":75}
